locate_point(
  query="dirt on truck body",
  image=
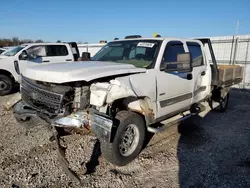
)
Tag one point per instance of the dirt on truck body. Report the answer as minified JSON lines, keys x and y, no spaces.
{"x":125,"y":91}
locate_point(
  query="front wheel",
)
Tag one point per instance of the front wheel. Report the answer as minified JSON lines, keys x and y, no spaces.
{"x":6,"y":85}
{"x":128,"y":140}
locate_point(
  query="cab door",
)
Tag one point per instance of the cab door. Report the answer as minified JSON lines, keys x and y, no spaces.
{"x":174,"y":88}
{"x":201,"y":71}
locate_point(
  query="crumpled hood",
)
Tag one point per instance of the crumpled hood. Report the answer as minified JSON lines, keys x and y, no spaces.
{"x":77,"y":71}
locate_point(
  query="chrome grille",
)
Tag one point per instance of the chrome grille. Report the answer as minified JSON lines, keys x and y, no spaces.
{"x":40,"y":98}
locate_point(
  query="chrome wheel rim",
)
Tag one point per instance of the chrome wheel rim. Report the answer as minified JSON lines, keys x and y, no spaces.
{"x":129,"y":140}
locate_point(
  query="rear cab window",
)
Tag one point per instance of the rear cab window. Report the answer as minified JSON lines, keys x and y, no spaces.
{"x":56,"y":50}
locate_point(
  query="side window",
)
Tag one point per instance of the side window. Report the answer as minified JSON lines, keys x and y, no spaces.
{"x":56,"y":50}
{"x":195,"y":50}
{"x":172,"y":49}
{"x":35,"y":51}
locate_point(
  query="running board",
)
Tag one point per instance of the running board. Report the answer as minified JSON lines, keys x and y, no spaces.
{"x":200,"y":109}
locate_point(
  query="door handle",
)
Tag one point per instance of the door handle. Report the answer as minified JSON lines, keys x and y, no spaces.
{"x":203,"y":73}
{"x":68,"y":59}
{"x":189,"y":76}
{"x":46,"y":61}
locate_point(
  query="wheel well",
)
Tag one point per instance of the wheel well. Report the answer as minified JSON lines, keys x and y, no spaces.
{"x":219,"y":93}
{"x":7,"y":73}
{"x":142,"y":116}
{"x":122,"y":104}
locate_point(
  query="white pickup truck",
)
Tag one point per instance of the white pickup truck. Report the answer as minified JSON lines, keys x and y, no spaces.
{"x":17,"y":59}
{"x":128,"y":86}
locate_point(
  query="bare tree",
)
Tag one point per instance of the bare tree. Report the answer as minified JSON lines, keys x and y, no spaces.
{"x":15,"y":41}
{"x":26,"y":41}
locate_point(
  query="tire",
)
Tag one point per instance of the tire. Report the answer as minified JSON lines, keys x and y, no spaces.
{"x":6,"y":85}
{"x":222,"y":106}
{"x":114,"y":152}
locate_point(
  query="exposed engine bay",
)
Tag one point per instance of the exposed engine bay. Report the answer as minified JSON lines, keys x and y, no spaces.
{"x":54,"y":99}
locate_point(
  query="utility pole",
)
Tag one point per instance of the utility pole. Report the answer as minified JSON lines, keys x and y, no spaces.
{"x":236,"y":42}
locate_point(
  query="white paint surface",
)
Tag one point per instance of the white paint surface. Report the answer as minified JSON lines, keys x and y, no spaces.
{"x":78,"y":71}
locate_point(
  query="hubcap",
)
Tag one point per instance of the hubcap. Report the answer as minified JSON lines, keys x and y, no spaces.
{"x":3,"y":85}
{"x":129,"y":140}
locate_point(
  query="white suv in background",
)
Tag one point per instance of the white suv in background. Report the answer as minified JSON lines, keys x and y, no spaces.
{"x":14,"y":61}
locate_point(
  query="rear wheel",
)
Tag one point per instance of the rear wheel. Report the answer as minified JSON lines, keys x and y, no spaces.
{"x":128,"y":140}
{"x":6,"y":85}
{"x":223,"y":104}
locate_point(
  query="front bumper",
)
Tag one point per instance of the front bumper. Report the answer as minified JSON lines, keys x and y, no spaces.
{"x":77,"y":119}
{"x":100,"y":124}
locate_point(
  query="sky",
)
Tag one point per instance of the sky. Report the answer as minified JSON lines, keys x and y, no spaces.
{"x":94,"y":20}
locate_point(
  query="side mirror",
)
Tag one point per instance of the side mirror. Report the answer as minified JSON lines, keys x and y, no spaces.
{"x":183,"y":63}
{"x":23,"y":55}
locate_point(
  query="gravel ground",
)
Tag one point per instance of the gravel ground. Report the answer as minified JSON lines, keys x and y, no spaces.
{"x":212,"y":150}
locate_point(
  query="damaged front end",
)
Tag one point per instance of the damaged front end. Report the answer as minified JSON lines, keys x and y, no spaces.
{"x":106,"y":99}
{"x":80,"y":109}
{"x":99,"y":118}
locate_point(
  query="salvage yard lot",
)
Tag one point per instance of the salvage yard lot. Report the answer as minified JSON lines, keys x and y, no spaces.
{"x":212,"y":150}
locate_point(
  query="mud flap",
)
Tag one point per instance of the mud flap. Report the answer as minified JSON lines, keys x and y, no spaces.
{"x":62,"y":158}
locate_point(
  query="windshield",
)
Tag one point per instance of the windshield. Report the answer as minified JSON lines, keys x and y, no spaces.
{"x":13,"y":51}
{"x":140,"y":53}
